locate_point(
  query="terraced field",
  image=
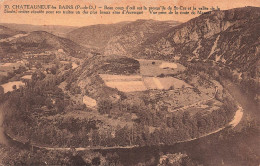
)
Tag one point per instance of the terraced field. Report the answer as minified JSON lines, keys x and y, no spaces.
{"x":124,"y":83}
{"x":134,"y":83}
{"x":148,"y":78}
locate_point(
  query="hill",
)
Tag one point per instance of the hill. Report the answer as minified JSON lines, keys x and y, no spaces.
{"x":95,"y":35}
{"x":229,"y":37}
{"x":135,"y":33}
{"x":58,"y":30}
{"x":41,"y":41}
{"x":119,"y":38}
{"x":6,"y":32}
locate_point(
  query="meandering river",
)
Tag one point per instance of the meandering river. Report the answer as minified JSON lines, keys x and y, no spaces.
{"x":208,"y":150}
{"x":196,"y":149}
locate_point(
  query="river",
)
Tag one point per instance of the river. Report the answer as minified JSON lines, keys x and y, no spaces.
{"x":213,"y":150}
{"x":209,"y":150}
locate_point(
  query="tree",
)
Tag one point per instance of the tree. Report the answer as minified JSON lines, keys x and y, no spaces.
{"x":169,"y":121}
{"x":14,"y":87}
{"x":38,"y":65}
{"x":96,"y":161}
{"x":1,"y":90}
{"x":104,"y":106}
{"x":3,"y":80}
{"x":186,"y":117}
{"x":172,"y":87}
{"x":53,"y":70}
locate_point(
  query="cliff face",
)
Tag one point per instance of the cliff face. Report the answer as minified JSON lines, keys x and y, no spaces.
{"x":231,"y":37}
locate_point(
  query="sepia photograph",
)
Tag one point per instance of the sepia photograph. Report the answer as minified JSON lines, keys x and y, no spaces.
{"x":129,"y":83}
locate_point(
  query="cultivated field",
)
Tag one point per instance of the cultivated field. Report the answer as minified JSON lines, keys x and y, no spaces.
{"x":8,"y":87}
{"x":127,"y":86}
{"x":8,"y":67}
{"x":3,"y":73}
{"x":171,"y":82}
{"x":74,"y":65}
{"x":89,"y":102}
{"x":113,"y":78}
{"x":27,"y":77}
{"x":134,"y":83}
{"x":158,"y":67}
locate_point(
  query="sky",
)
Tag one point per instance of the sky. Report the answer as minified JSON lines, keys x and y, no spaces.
{"x":87,"y":19}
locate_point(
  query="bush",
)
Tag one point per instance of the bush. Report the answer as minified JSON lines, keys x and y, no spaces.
{"x":104,"y":107}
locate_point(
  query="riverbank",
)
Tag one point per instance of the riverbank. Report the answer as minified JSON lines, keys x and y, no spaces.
{"x":236,"y":119}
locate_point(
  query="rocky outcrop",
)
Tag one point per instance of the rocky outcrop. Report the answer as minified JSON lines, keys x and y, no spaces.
{"x":230,"y":37}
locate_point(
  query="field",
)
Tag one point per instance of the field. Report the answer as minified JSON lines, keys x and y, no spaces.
{"x":2,"y":73}
{"x":114,"y":78}
{"x":158,"y":67}
{"x":27,"y":77}
{"x":149,"y":70}
{"x":89,"y":102}
{"x":8,"y":67}
{"x":8,"y":87}
{"x":124,"y":83}
{"x":74,"y":65}
{"x":134,"y":83}
{"x":170,"y":82}
{"x":5,"y":68}
{"x":129,"y":86}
